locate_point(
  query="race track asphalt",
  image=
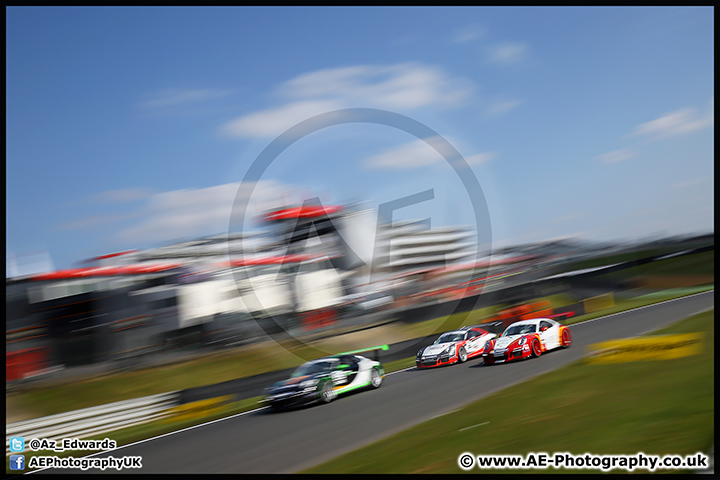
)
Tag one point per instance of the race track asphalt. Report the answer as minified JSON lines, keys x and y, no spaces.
{"x":268,"y":442}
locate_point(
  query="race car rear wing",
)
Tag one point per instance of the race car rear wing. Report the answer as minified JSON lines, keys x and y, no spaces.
{"x":373,"y":349}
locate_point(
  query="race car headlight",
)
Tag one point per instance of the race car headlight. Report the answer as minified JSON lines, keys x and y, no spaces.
{"x":448,"y":350}
{"x":522,"y":341}
{"x":309,"y":383}
{"x":419,"y":354}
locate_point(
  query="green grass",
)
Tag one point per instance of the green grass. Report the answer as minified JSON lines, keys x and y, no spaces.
{"x":661,"y":407}
{"x":702,"y":263}
{"x":621,"y":257}
{"x":637,"y":302}
{"x":399,"y":364}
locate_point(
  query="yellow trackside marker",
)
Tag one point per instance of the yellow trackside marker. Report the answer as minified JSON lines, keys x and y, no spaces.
{"x":199,"y":408}
{"x":657,"y":347}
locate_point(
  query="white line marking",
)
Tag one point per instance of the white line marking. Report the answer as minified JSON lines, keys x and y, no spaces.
{"x":446,"y":413}
{"x":473,"y":426}
{"x":398,"y":371}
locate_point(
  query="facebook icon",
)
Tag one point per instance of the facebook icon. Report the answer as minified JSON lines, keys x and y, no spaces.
{"x":17,"y":462}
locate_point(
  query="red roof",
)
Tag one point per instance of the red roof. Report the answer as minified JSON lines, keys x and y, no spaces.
{"x":104,"y":271}
{"x":306,"y":211}
{"x":277,"y":260}
{"x":111,"y":255}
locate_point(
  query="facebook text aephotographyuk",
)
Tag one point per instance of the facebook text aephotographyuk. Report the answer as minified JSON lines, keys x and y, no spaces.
{"x":85,"y":463}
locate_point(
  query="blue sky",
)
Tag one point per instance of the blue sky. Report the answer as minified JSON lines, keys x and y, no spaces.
{"x":133,"y":127}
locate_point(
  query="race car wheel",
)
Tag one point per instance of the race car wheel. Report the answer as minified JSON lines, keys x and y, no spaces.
{"x":462,"y":355}
{"x":375,"y":378}
{"x":536,"y":348}
{"x":327,"y":394}
{"x":566,"y":338}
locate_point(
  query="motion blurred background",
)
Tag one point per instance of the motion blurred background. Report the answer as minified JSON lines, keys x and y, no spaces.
{"x":130,"y":131}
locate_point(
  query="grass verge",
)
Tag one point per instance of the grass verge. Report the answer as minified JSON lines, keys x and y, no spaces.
{"x":660,"y":408}
{"x":642,"y":301}
{"x":695,"y":264}
{"x":628,"y":257}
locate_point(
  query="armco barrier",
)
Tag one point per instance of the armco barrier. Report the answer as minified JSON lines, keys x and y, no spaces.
{"x":94,"y":420}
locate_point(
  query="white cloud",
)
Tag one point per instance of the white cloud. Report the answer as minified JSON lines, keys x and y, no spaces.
{"x":410,"y":155}
{"x":480,"y":158}
{"x":196,"y":212}
{"x":173,"y":97}
{"x":503,"y":106}
{"x":395,"y":87}
{"x":467,"y":34}
{"x":507,"y":53}
{"x":28,"y":263}
{"x":275,"y":121}
{"x":407,"y":85}
{"x":418,"y":153}
{"x":617,"y":156}
{"x":681,"y":121}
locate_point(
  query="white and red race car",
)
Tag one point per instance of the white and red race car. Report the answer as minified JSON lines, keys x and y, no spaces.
{"x":527,"y":338}
{"x":456,"y":346}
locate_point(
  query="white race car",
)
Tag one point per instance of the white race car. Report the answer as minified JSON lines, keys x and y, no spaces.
{"x":322,"y":380}
{"x":526,"y":339}
{"x":456,"y":346}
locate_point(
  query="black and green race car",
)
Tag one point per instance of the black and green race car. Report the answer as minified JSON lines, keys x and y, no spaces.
{"x":324,"y":379}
